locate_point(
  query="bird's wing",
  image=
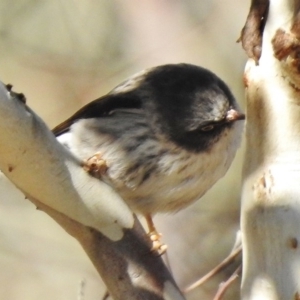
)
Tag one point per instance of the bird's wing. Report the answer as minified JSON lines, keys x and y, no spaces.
{"x":102,"y":107}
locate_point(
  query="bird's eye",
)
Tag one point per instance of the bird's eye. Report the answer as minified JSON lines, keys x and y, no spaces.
{"x":207,"y":128}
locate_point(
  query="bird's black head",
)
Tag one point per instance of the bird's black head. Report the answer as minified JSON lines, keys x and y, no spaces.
{"x":188,"y":104}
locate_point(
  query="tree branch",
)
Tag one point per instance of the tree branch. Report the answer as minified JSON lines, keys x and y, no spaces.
{"x":85,"y":207}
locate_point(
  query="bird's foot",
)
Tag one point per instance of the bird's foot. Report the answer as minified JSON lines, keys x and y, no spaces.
{"x":95,"y":165}
{"x":155,"y":236}
{"x":157,"y":245}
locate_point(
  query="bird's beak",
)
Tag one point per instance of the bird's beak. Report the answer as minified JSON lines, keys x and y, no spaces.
{"x":234,"y":115}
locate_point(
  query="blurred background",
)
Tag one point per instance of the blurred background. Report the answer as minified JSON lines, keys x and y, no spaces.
{"x":63,"y":54}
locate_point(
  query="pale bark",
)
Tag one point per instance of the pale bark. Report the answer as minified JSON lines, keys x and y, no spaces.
{"x":270,"y":218}
{"x":85,"y":207}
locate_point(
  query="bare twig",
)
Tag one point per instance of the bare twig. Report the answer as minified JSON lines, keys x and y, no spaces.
{"x":223,"y":287}
{"x":215,"y":270}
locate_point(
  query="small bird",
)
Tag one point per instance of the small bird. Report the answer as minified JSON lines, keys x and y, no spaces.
{"x":161,"y":139}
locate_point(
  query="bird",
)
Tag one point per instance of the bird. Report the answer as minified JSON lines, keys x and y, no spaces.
{"x":161,"y":138}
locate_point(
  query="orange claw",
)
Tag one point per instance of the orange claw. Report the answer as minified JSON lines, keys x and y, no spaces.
{"x":155,"y":237}
{"x":95,"y":165}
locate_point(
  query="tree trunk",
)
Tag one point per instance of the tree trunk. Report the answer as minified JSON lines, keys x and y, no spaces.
{"x":270,"y":218}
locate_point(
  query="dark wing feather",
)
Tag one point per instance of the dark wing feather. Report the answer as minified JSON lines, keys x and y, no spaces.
{"x":102,"y":107}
